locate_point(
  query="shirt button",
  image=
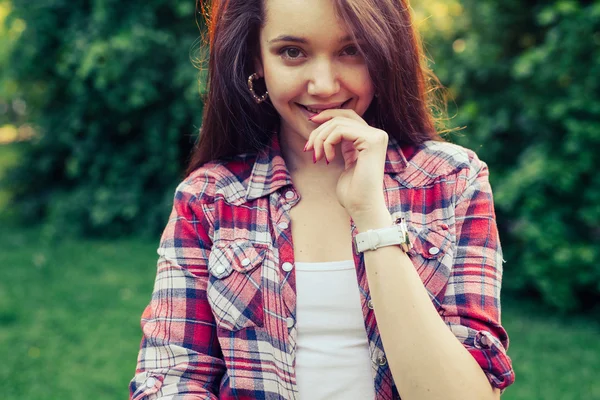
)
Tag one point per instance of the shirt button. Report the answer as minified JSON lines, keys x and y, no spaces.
{"x":219,"y":269}
{"x":283,"y":225}
{"x":287,"y":266}
{"x":370,"y":304}
{"x":289,"y":194}
{"x":290,"y":322}
{"x":245,"y":262}
{"x":434,"y":250}
{"x":381,"y":360}
{"x":150,"y":382}
{"x":483,"y":340}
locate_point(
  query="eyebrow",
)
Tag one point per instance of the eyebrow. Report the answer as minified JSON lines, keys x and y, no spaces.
{"x":296,"y":39}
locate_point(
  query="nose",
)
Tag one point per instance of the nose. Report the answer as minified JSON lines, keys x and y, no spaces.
{"x":323,"y":80}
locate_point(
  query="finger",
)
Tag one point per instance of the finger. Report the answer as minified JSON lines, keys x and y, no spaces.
{"x":317,"y":137}
{"x":326,"y":115}
{"x":315,"y":133}
{"x":325,"y":125}
{"x":346,"y":135}
{"x":325,"y":147}
{"x":354,"y":142}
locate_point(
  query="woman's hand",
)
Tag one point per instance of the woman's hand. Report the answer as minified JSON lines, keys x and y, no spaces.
{"x":364,"y":148}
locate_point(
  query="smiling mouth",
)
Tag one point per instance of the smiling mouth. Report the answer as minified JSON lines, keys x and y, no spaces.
{"x":315,"y":112}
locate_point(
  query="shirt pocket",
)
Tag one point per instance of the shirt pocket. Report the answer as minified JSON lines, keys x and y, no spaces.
{"x":234,"y":285}
{"x":433,"y":256}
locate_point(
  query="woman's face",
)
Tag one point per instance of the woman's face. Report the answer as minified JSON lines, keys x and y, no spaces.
{"x":316,"y":65}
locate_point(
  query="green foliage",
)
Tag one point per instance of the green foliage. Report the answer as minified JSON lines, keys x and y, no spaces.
{"x":9,"y":158}
{"x":115,"y":101}
{"x":526,"y":78}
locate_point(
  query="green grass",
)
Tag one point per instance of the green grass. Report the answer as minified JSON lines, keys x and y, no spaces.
{"x":70,"y":310}
{"x":554,"y":357}
{"x":69,"y":315}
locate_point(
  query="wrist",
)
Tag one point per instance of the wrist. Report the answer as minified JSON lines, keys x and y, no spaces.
{"x":372,"y":219}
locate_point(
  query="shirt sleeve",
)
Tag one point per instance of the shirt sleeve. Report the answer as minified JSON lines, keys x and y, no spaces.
{"x":179,"y":352}
{"x":471,"y":304}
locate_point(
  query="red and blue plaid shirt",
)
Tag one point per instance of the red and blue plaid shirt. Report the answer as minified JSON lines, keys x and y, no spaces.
{"x":221,"y":322}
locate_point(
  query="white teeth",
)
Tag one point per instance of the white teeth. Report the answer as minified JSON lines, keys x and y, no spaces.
{"x":318,"y":111}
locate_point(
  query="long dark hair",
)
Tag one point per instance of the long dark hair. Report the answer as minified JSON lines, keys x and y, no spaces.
{"x":233,"y":123}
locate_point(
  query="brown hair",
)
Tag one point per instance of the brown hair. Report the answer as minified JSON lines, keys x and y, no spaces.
{"x":233,"y":123}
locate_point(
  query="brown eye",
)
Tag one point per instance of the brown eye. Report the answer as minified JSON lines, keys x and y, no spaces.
{"x":353,"y":50}
{"x":291,"y":53}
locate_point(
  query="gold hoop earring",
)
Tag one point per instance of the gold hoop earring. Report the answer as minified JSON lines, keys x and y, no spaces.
{"x":260,"y":99}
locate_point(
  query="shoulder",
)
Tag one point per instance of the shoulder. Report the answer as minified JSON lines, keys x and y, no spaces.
{"x":444,"y":158}
{"x":217,"y":178}
{"x":436,"y":160}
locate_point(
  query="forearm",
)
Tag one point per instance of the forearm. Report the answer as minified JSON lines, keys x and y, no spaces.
{"x":426,"y":360}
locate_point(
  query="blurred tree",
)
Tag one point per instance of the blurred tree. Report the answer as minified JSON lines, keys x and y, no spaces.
{"x":114,"y":98}
{"x":112,"y":94}
{"x":8,"y":35}
{"x":526,"y":79}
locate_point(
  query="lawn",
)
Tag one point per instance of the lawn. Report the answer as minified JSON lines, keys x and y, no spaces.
{"x":69,"y":315}
{"x":69,"y":324}
{"x":70,"y":310}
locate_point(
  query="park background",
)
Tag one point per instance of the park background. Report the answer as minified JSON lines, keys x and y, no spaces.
{"x":100,"y":104}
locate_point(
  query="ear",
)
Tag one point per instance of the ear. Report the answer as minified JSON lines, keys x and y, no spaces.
{"x":258,"y":67}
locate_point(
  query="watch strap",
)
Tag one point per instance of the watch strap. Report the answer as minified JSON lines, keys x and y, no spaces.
{"x":373,"y":239}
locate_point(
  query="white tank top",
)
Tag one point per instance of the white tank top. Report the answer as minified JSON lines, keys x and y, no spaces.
{"x":332,"y":354}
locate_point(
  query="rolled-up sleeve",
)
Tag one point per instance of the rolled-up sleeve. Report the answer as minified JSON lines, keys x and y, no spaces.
{"x":471,"y":305}
{"x":179,"y":353}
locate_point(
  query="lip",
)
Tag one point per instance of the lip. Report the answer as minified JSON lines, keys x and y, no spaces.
{"x":324,"y":106}
{"x":310,"y":114}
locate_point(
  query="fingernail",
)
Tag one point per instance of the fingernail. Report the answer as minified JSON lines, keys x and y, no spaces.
{"x":326,"y":160}
{"x":305,"y":146}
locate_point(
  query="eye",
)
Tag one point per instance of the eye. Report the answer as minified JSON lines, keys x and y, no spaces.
{"x":294,"y":53}
{"x":290,"y":53}
{"x":353,"y":53}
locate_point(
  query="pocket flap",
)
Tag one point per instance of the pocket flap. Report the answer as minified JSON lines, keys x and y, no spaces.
{"x":241,"y":256}
{"x":432,"y":256}
{"x":430,"y":243}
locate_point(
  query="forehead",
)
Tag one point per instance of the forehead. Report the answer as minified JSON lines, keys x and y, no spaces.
{"x":313,"y":19}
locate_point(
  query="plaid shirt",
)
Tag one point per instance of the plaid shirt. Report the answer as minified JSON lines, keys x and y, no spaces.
{"x":221,"y":322}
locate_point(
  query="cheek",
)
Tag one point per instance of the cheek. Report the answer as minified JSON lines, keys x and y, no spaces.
{"x":283,"y":87}
{"x":281,"y":82}
{"x":363,"y":83}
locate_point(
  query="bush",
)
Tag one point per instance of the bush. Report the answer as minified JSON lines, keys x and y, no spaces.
{"x":526,"y":77}
{"x":114,"y":96}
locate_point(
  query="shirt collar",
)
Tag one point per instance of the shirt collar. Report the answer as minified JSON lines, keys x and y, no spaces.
{"x":270,"y":172}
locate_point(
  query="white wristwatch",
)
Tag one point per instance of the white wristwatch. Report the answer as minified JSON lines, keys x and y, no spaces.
{"x":397,"y":234}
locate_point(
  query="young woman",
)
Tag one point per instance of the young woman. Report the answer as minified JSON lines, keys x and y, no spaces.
{"x":326,"y":243}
